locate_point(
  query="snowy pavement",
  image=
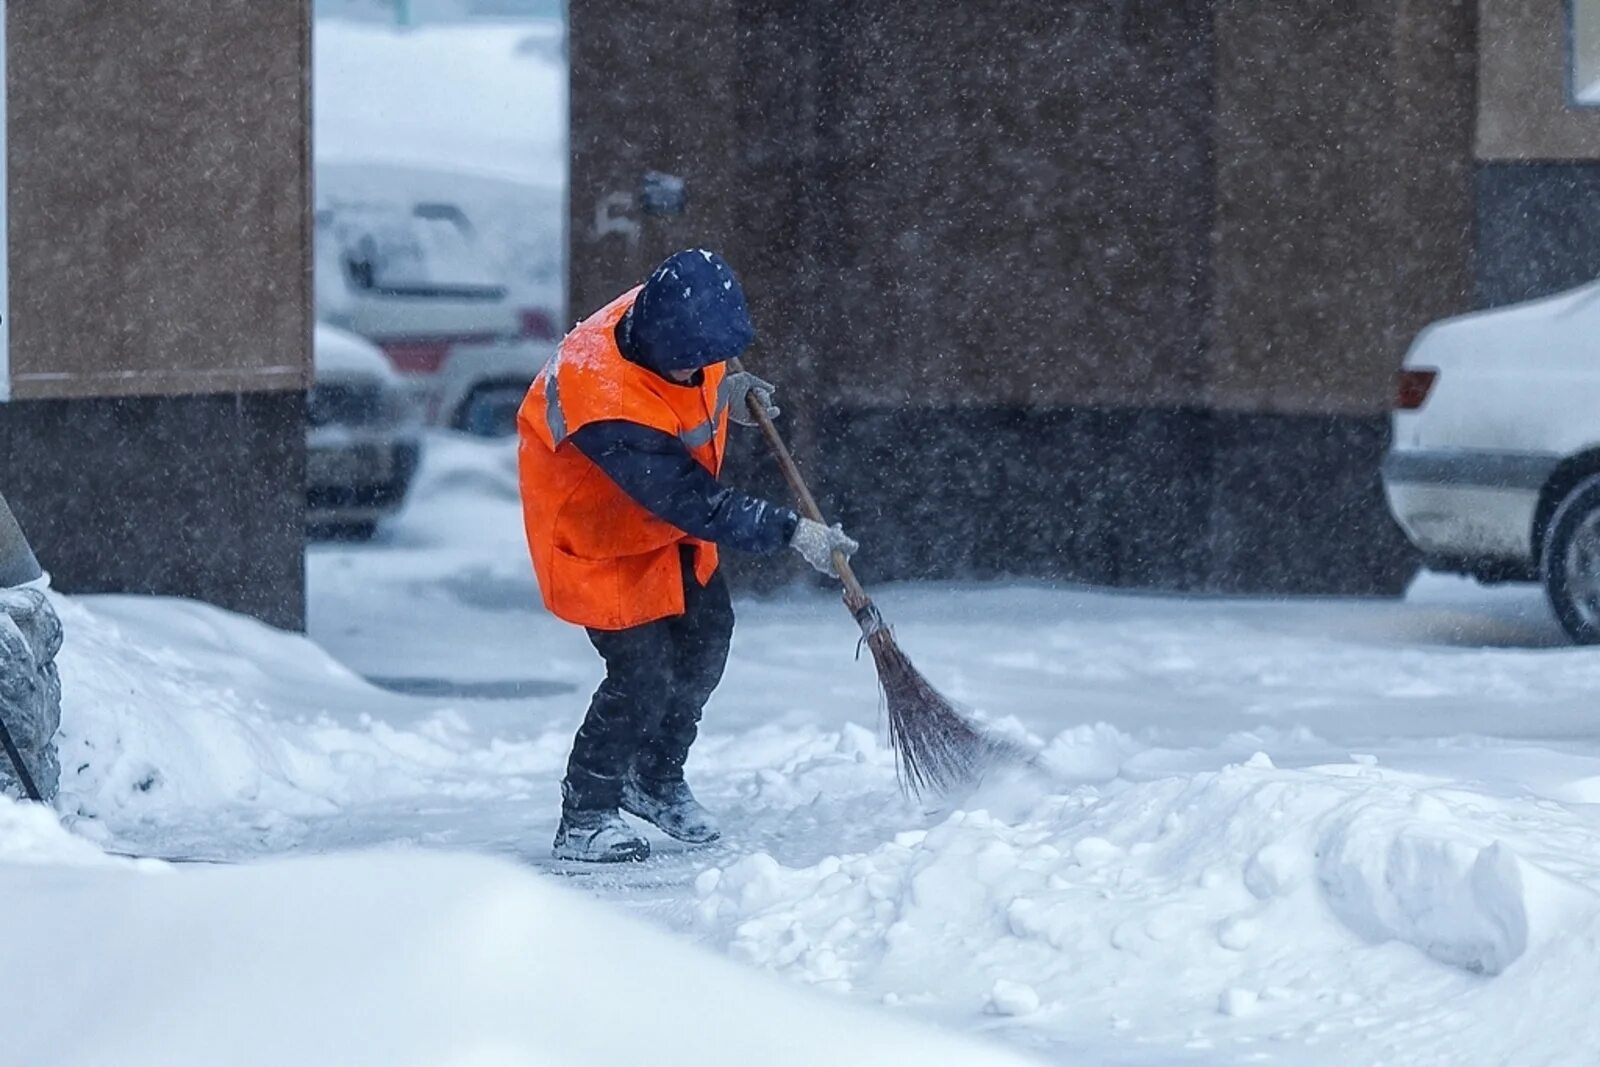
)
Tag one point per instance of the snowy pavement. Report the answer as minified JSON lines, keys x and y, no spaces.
{"x":1306,"y":832}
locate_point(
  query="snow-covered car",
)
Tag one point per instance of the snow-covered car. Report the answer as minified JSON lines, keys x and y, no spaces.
{"x":406,"y":275}
{"x":415,"y":279}
{"x":1494,"y":467}
{"x":363,"y":437}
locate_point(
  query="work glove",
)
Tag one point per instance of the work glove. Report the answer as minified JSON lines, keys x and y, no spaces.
{"x":817,"y":544}
{"x":744,"y":384}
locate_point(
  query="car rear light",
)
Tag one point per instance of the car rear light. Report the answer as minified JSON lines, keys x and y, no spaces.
{"x":428,"y":355}
{"x":1412,"y":387}
{"x":538,"y":324}
{"x":416,"y":357}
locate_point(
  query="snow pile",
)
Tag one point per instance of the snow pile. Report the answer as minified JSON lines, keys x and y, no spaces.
{"x":388,"y":959}
{"x":30,"y":835}
{"x":1308,"y":902}
{"x":175,"y":711}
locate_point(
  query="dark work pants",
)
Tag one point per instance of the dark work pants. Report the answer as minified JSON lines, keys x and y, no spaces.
{"x":646,"y":713}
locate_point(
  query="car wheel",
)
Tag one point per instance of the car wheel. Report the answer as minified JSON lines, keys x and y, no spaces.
{"x":1571,"y":563}
{"x":491,"y":410}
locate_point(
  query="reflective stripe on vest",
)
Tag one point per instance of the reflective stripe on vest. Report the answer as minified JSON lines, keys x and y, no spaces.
{"x":554,"y":419}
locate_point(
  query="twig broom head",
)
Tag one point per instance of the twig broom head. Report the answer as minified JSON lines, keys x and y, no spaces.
{"x":937,"y":749}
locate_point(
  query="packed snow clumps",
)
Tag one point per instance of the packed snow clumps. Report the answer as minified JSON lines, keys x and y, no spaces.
{"x":1251,"y":891}
{"x":1414,"y":873}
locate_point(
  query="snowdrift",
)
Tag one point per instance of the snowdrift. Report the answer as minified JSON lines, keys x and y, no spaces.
{"x":175,"y":712}
{"x":388,"y":959}
{"x":1205,"y":909}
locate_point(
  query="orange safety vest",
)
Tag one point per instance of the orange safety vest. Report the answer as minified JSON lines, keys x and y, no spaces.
{"x":602,"y":560}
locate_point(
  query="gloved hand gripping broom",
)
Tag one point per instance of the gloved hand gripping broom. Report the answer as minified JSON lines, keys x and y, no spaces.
{"x":937,"y":749}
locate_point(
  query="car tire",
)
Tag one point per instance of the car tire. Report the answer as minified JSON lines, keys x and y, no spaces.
{"x":1570,"y":563}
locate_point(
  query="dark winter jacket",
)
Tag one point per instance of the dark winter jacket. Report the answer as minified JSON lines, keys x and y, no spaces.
{"x":689,"y":315}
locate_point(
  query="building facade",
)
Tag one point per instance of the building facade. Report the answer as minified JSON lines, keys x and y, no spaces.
{"x":1110,"y":291}
{"x":152,"y":433}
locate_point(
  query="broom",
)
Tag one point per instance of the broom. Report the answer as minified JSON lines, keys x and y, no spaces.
{"x":936,"y":749}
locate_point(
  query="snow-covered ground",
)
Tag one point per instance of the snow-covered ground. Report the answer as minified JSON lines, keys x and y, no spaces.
{"x":380,"y":959}
{"x":1306,"y":832}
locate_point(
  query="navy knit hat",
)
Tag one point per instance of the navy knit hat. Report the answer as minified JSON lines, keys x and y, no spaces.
{"x":690,"y":314}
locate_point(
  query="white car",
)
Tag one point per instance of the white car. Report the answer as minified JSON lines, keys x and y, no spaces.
{"x":1494,"y":467}
{"x":363,"y":437}
{"x":416,"y":282}
{"x":406,"y":273}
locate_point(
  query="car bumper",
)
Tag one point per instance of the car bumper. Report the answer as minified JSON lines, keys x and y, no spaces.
{"x":1465,"y":504}
{"x":352,"y":478}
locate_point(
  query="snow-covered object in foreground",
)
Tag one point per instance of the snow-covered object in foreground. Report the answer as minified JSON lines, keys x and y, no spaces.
{"x":30,"y":688}
{"x":384,"y":959}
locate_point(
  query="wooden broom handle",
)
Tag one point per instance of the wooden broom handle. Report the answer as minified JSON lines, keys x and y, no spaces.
{"x":854,"y":595}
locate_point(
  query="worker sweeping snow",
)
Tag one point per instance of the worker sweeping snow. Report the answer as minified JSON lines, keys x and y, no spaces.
{"x":622,"y":440}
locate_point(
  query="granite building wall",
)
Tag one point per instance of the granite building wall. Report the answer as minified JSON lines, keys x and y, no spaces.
{"x":1110,"y":291}
{"x":158,"y":170}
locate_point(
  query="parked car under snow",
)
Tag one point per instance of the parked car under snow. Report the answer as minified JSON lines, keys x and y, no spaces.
{"x":416,"y":279}
{"x":363,"y":437}
{"x":1494,"y":469}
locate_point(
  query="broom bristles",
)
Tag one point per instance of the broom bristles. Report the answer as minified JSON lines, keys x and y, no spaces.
{"x":936,"y":748}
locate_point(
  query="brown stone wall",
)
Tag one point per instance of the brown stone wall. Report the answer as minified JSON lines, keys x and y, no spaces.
{"x":1344,"y":184}
{"x":653,"y":87}
{"x":159,"y":207}
{"x":1107,"y":290}
{"x":929,"y":204}
{"x":1525,"y":112}
{"x":911,"y":192}
{"x":192,"y":496}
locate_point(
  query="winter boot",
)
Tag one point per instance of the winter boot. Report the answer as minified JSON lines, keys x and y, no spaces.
{"x":670,"y":806}
{"x":598,"y":837}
